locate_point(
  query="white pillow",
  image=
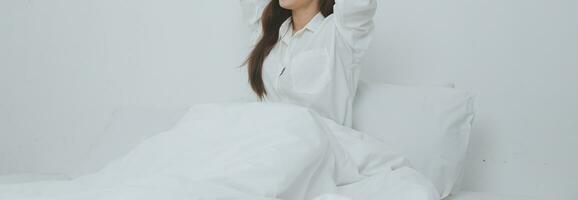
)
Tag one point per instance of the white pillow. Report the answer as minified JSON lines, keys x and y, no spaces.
{"x":429,"y":125}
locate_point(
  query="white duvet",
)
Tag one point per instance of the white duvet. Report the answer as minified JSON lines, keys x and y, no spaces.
{"x":245,"y":151}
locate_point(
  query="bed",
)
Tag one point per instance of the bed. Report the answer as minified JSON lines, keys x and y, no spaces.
{"x":445,"y":115}
{"x":462,"y":195}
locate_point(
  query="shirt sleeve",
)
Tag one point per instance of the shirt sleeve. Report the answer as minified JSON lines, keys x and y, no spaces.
{"x":252,"y":11}
{"x":354,"y":21}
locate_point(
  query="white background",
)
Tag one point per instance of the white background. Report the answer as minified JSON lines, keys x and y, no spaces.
{"x":73,"y":71}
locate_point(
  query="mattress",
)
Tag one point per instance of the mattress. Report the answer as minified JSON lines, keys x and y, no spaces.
{"x":484,"y":196}
{"x":21,"y":178}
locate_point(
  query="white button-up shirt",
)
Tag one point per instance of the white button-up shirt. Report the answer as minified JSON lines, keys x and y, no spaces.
{"x":318,"y":66}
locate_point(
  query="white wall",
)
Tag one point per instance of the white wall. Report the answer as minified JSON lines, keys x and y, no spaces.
{"x":66,"y":66}
{"x":69,"y":69}
{"x":521,"y":57}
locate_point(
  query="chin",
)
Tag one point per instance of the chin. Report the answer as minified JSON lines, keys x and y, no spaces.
{"x":287,"y":4}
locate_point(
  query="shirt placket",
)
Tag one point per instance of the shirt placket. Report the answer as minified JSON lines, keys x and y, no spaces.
{"x":285,"y":58}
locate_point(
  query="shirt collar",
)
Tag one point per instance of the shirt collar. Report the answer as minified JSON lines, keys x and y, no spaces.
{"x":287,"y":27}
{"x":314,"y":23}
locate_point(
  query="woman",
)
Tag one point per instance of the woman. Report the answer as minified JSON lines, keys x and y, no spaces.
{"x":308,"y":52}
{"x":295,"y":146}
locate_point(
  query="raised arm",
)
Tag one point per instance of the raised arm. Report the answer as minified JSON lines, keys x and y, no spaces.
{"x":252,"y":11}
{"x":354,"y":20}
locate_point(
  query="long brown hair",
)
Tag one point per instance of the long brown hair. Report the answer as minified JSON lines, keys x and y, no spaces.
{"x":271,"y":20}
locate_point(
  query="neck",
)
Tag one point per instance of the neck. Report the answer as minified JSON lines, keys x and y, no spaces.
{"x":302,"y":16}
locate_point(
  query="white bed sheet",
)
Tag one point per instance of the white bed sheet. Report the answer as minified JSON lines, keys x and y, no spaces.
{"x":364,"y":186}
{"x":485,"y":196}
